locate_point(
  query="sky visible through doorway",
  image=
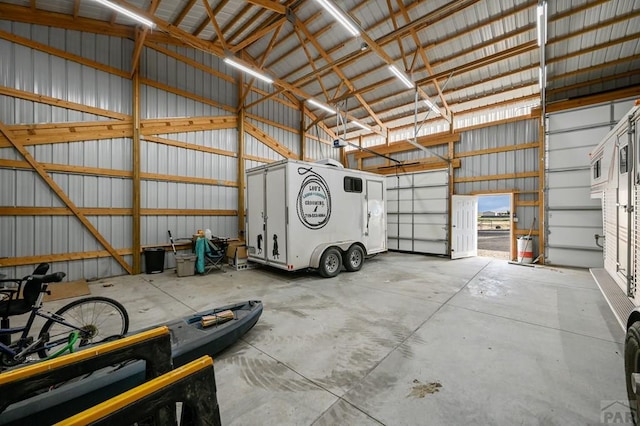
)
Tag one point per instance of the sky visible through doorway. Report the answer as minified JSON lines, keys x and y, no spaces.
{"x":494,"y":203}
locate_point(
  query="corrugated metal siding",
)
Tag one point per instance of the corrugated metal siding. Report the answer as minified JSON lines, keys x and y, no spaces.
{"x":40,"y":73}
{"x":517,"y":161}
{"x":36,"y":72}
{"x":572,"y":216}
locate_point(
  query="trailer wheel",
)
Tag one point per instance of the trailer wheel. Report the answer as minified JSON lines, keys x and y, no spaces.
{"x":353,"y":258}
{"x":330,"y":263}
{"x":632,"y":365}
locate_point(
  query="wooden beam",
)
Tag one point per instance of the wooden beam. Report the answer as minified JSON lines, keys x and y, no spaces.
{"x":43,"y":134}
{"x":497,"y":177}
{"x":216,"y":27}
{"x":270,"y":5}
{"x":268,"y":140}
{"x":430,"y":163}
{"x":141,"y":34}
{"x":185,"y":10}
{"x":157,"y":126}
{"x":628,"y":92}
{"x":136,"y":188}
{"x":60,"y":193}
{"x":65,"y":168}
{"x":101,"y":211}
{"x":190,"y":146}
{"x":61,"y":53}
{"x":186,"y":179}
{"x":48,"y":100}
{"x":190,"y":62}
{"x":241,"y":167}
{"x":186,"y":94}
{"x":271,"y":123}
{"x":402,"y":146}
{"x":507,"y":148}
{"x":62,"y":211}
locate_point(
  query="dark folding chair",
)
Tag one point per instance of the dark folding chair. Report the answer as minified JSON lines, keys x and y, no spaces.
{"x":11,"y":304}
{"x":214,"y":255}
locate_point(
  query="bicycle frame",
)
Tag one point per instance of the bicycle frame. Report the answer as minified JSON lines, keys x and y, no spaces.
{"x":24,"y":346}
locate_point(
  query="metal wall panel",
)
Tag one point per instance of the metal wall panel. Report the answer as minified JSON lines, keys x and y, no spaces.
{"x":573,"y":218}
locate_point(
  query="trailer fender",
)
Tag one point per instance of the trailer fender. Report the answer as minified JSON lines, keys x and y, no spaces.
{"x":314,"y":261}
{"x":633,"y":317}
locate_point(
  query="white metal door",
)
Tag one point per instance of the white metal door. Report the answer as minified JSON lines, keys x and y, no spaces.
{"x":375,"y":223}
{"x":255,"y":215}
{"x":275,"y":238}
{"x":464,"y":227}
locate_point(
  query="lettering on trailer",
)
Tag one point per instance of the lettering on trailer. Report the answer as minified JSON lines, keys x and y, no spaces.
{"x":314,"y":200}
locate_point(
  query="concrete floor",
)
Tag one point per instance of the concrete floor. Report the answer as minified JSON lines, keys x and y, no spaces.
{"x":408,"y":340}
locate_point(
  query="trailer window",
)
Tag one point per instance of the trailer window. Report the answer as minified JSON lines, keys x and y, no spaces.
{"x":352,"y":184}
{"x":597,"y":169}
{"x":623,"y":159}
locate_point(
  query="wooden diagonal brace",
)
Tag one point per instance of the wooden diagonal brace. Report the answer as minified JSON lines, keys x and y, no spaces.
{"x":60,"y":193}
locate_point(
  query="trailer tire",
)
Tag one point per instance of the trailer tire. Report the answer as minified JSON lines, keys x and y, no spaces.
{"x":632,"y":365}
{"x":353,"y":258}
{"x":330,"y":263}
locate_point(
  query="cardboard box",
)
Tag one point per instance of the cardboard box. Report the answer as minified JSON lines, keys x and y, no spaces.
{"x":236,"y":253}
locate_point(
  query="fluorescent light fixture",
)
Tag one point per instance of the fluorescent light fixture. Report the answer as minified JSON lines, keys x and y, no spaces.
{"x":403,"y":78}
{"x":248,"y":70}
{"x":339,"y":16}
{"x":542,"y":23}
{"x":362,"y":126}
{"x":321,"y":106}
{"x":431,"y":106}
{"x":130,"y":14}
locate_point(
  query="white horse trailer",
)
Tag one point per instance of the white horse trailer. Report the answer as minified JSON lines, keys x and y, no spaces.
{"x":311,"y":215}
{"x":615,"y":178}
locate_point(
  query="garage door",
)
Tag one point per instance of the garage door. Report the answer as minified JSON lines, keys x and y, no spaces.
{"x":418,"y":212}
{"x":573,"y":218}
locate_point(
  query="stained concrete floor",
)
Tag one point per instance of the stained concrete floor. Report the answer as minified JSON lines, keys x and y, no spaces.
{"x":408,"y":340}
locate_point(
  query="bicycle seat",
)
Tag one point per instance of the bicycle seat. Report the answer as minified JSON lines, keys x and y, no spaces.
{"x":30,"y":292}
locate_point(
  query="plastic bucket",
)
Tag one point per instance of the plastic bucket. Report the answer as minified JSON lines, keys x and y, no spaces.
{"x":525,"y":249}
{"x":154,"y":260}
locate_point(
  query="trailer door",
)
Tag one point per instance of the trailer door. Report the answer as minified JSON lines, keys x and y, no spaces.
{"x":375,"y":221}
{"x":255,"y":215}
{"x":275,"y":216}
{"x":464,"y":227}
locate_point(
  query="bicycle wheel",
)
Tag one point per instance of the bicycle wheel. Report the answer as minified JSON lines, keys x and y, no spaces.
{"x":99,"y":318}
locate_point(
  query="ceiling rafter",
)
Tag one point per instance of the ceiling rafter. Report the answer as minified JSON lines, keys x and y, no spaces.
{"x":398,"y":40}
{"x":141,"y":34}
{"x":233,"y":21}
{"x":270,"y":5}
{"x":310,"y":59}
{"x":261,"y":64}
{"x":214,"y":23}
{"x":76,"y":8}
{"x":425,"y":60}
{"x":185,"y":10}
{"x":337,"y":70}
{"x":420,"y":23}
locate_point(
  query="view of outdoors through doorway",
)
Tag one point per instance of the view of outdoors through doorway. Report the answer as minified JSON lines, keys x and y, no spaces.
{"x":494,"y":226}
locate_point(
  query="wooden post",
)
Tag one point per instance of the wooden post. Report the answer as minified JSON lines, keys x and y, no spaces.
{"x":135,"y":216}
{"x":241,"y":183}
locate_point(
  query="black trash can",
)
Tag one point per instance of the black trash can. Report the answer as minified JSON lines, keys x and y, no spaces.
{"x":154,"y":260}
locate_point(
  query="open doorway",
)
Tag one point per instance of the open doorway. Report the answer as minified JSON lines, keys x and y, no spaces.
{"x":494,"y":226}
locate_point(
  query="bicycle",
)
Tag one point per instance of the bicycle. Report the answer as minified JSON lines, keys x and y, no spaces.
{"x":82,"y":322}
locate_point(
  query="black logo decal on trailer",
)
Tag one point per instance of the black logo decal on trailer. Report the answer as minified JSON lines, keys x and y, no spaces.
{"x":314,"y":200}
